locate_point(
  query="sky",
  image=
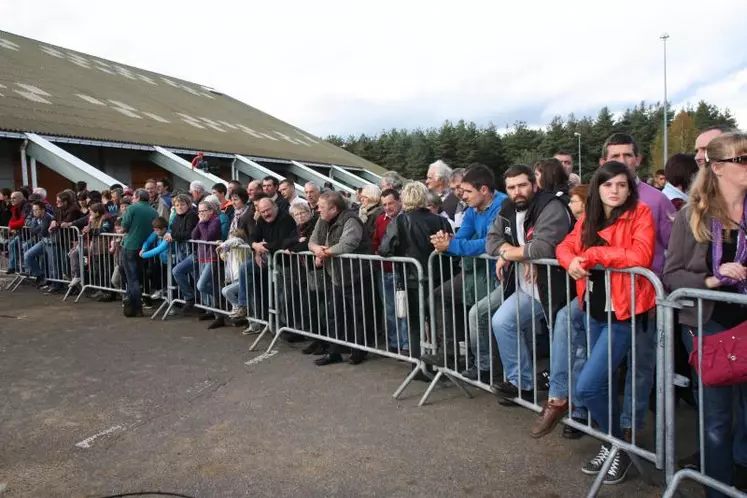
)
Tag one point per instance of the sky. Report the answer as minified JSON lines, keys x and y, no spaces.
{"x":341,"y":67}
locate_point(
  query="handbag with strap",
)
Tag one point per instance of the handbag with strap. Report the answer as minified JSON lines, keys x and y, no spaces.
{"x":724,"y":360}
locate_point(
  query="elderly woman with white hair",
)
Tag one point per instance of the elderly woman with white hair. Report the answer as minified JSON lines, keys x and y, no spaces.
{"x":369,"y":211}
{"x":409,"y":235}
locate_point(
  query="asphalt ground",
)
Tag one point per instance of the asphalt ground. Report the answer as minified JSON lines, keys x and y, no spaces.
{"x":95,"y":404}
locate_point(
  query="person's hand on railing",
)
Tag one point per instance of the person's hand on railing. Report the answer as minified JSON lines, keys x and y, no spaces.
{"x":576,"y":269}
{"x":440,"y":241}
{"x":259,"y":260}
{"x":66,"y":224}
{"x":500,"y":266}
{"x":53,"y":225}
{"x":318,"y":262}
{"x":260,"y":247}
{"x":168,"y":238}
{"x":529,"y":274}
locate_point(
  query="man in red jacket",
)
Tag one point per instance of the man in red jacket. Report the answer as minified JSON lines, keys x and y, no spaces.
{"x":18,"y":213}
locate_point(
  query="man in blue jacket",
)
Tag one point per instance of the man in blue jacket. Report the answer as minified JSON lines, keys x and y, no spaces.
{"x":471,"y":285}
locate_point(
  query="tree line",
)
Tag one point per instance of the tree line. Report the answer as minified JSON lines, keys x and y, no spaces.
{"x":409,"y":152}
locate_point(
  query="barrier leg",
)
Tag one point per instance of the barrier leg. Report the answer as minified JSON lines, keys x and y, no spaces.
{"x":161,"y":307}
{"x":77,"y":298}
{"x":431,"y":386}
{"x":407,"y":381}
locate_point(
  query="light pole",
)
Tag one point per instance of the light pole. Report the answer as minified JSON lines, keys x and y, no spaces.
{"x":577,"y":134}
{"x":664,"y":39}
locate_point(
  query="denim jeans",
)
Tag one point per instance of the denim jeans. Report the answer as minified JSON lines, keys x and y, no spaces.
{"x":593,"y":389}
{"x":32,"y":256}
{"x":74,"y":256}
{"x":645,"y":363}
{"x":723,"y":446}
{"x":231,"y":293}
{"x":181,"y":272}
{"x":396,"y":328}
{"x":559,"y":385}
{"x":250,"y":272}
{"x":14,"y":247}
{"x":513,"y":317}
{"x":479,"y":327}
{"x":133,"y":270}
{"x":205,"y":283}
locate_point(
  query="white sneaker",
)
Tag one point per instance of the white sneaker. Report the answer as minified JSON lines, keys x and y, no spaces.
{"x":74,"y":282}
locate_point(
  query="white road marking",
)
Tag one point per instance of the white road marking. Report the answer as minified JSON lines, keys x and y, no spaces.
{"x":86,"y":443}
{"x":261,"y":357}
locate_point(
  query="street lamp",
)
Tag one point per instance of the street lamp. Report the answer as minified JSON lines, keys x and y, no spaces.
{"x":664,"y":39}
{"x":577,"y":134}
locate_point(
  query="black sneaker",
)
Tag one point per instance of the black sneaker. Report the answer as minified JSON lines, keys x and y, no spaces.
{"x":472,"y":373}
{"x":618,"y":469}
{"x":595,"y":464}
{"x":128,"y":308}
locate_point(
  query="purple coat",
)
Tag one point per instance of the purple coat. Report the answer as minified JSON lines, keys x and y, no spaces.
{"x":207,"y":231}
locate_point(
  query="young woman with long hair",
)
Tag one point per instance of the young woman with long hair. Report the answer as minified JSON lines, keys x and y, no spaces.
{"x":616,"y":231}
{"x":708,"y":250}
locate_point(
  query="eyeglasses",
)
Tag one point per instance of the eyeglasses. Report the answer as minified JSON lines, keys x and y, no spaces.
{"x":737,"y":159}
{"x":204,"y":211}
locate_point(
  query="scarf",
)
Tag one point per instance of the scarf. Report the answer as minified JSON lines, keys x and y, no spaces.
{"x":718,"y":249}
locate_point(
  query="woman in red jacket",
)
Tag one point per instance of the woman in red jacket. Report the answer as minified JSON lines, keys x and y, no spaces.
{"x":617,"y":231}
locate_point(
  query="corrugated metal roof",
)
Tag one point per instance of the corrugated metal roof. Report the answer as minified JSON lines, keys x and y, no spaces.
{"x":55,"y":91}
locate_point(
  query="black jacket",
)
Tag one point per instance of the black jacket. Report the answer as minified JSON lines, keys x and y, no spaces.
{"x":278,"y":234}
{"x":450,"y":204}
{"x":409,"y":235}
{"x":549,"y":206}
{"x":182,"y":226}
{"x":304,"y":232}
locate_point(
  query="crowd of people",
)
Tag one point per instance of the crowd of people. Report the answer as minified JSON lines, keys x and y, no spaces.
{"x":689,"y":227}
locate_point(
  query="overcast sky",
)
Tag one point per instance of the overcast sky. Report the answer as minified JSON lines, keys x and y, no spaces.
{"x":346,"y":67}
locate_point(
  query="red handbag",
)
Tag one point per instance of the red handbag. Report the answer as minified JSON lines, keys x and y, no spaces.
{"x":724,"y":357}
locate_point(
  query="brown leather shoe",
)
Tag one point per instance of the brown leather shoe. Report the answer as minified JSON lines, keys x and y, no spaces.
{"x":552,"y":412}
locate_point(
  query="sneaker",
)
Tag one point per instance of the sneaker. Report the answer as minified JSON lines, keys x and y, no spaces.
{"x":472,"y":373}
{"x":159,"y":294}
{"x":239,"y":312}
{"x":595,"y":464}
{"x":74,"y":282}
{"x":618,"y":469}
{"x":253,"y":328}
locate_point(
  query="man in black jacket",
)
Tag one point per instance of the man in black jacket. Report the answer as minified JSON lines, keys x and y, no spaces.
{"x":528,"y":227}
{"x":275,"y":229}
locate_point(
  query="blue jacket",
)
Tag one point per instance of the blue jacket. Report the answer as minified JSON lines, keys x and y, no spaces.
{"x":159,"y":248}
{"x":470,"y":238}
{"x":225,"y":225}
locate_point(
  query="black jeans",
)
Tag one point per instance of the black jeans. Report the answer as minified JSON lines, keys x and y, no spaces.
{"x":133,"y":268}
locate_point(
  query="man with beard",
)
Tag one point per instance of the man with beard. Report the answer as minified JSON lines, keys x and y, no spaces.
{"x":528,"y":227}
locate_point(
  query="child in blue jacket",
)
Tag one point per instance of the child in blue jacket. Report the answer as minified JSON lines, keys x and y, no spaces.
{"x":155,"y":253}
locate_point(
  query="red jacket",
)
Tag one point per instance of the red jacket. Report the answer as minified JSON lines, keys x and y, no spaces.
{"x":379,"y":231}
{"x":631,"y":243}
{"x":16,"y":217}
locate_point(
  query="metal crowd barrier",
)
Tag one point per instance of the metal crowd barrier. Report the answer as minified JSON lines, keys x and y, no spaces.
{"x":466,"y":307}
{"x":196,"y":282}
{"x":735,"y":414}
{"x":100,"y":269}
{"x":42,"y":258}
{"x":339,"y":305}
{"x":4,"y":249}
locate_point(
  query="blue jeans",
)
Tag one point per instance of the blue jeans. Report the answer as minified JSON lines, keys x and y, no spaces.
{"x":396,"y":327}
{"x":723,"y":446}
{"x":181,"y":272}
{"x":250,"y":272}
{"x":231,"y":293}
{"x":478,"y":319}
{"x":14,"y":247}
{"x":32,"y":256}
{"x":133,"y":270}
{"x":593,"y":389}
{"x":559,"y":385}
{"x":514,"y":350}
{"x":645,"y":363}
{"x":205,"y":284}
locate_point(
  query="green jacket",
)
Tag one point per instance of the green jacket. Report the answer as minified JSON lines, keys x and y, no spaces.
{"x":138,"y":225}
